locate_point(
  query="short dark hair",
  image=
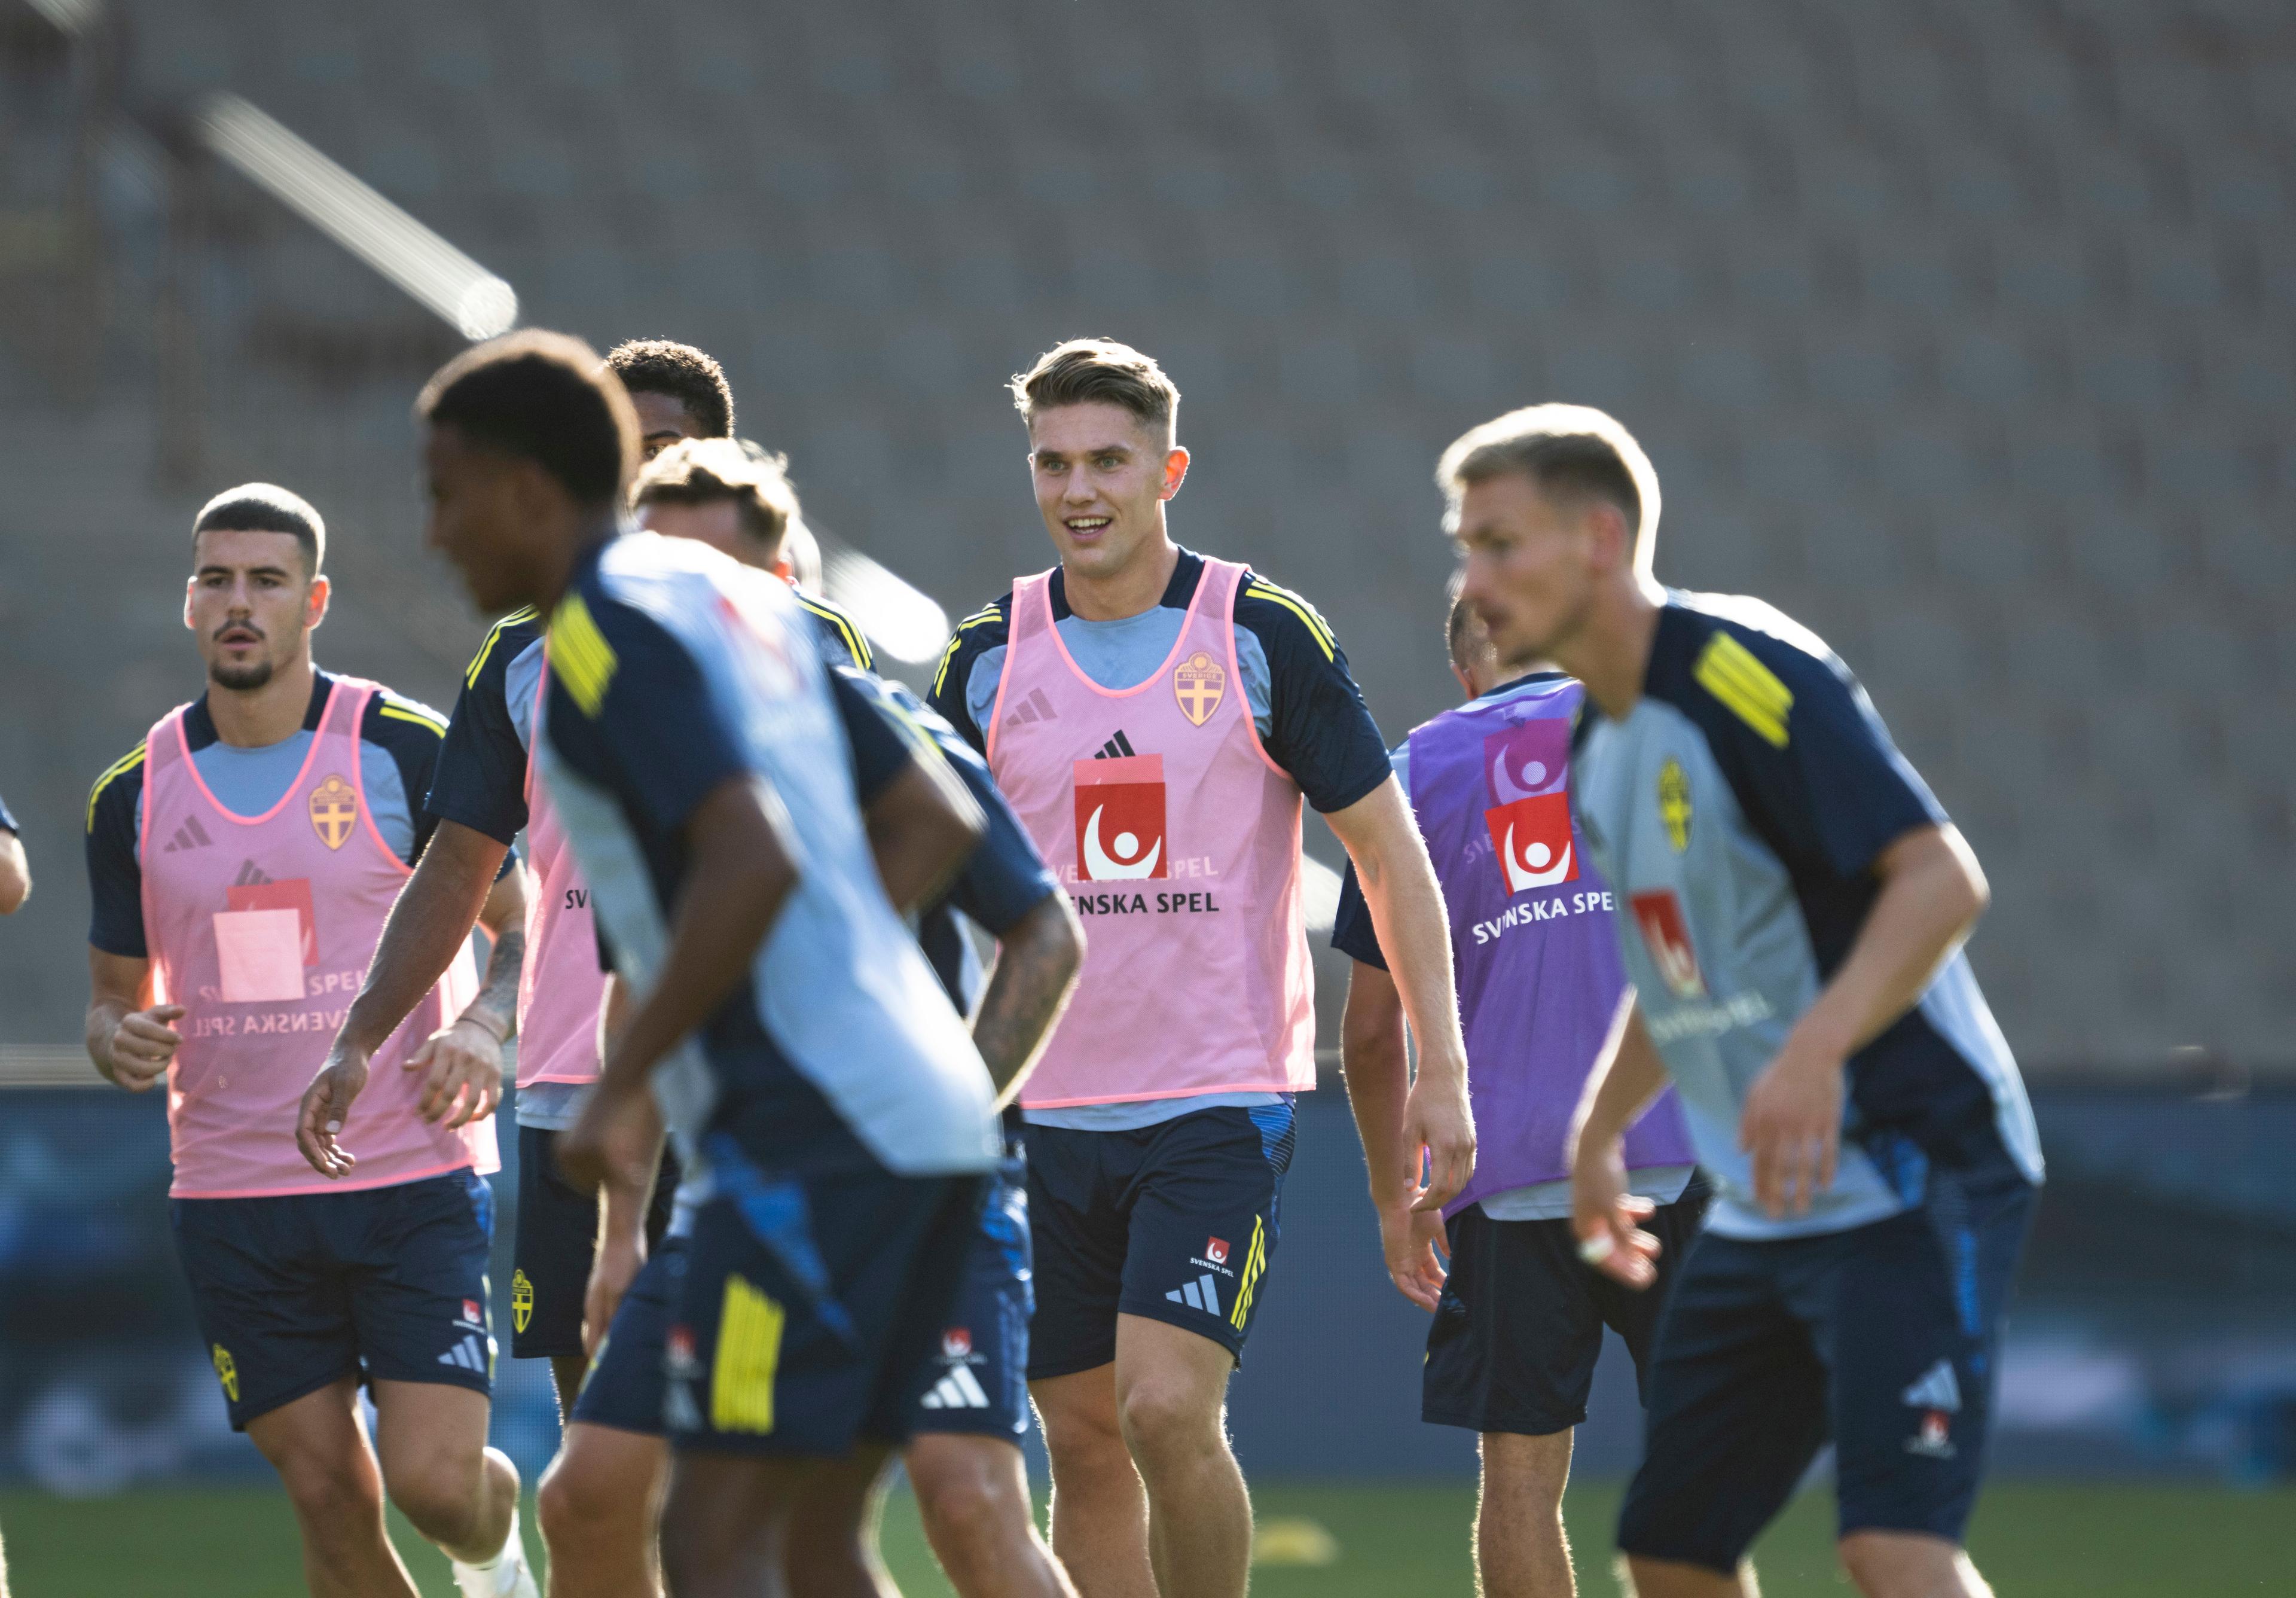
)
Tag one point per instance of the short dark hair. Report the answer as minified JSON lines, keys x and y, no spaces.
{"x":686,"y":374}
{"x":1566,"y":449}
{"x":706,"y":471}
{"x":1085,"y":371}
{"x":542,"y":396}
{"x":266,"y":508}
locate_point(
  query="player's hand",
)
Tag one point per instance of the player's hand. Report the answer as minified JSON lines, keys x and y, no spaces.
{"x":144,"y":1045}
{"x":617,"y":1266}
{"x":612,"y":1140}
{"x":326,"y":1105}
{"x":1791,"y":1125}
{"x":1607,"y":1218}
{"x":1408,"y":1237}
{"x":462,"y":1069}
{"x":1437,"y":1119}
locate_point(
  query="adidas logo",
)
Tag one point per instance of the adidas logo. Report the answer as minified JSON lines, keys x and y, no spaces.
{"x":1203,"y":1294}
{"x":190,"y":835}
{"x":469,"y":1354}
{"x":1938,"y":1389}
{"x":250,"y":875}
{"x":959,"y":1389}
{"x":679,"y":1413}
{"x":1035,"y":708}
{"x":1115,"y":748}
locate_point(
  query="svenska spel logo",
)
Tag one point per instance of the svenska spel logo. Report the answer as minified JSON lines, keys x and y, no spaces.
{"x":1666,"y":933}
{"x":1529,"y":818}
{"x":1120,"y":819}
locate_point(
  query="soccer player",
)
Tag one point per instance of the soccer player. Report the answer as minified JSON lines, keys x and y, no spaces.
{"x":242,"y":861}
{"x":692,"y":752}
{"x":1519,"y":1318}
{"x":1155,"y":716}
{"x":598,"y":1500}
{"x":1792,"y":904}
{"x":15,"y":871}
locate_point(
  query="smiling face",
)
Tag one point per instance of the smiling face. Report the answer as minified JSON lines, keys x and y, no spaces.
{"x":250,"y":605}
{"x":1531,"y":562}
{"x":1102,"y":477}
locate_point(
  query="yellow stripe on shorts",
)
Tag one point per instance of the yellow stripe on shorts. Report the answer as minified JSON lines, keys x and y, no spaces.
{"x":749,"y":1356}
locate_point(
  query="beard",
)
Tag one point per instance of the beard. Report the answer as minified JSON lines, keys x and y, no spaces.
{"x":241,"y":679}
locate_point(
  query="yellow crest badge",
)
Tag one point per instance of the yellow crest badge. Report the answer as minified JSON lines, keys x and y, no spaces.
{"x":521,"y":1299}
{"x":1674,"y":804}
{"x":226,"y":1372}
{"x":334,"y":810}
{"x":1199,"y":682}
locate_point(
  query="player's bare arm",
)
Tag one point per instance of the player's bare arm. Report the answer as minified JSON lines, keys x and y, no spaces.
{"x":1376,"y":1060}
{"x":625,"y":1194}
{"x":447,"y":896}
{"x":1407,"y":910}
{"x":740,"y":875}
{"x":130,"y":1043}
{"x":1037,"y":966}
{"x":1932,"y":892}
{"x":16,"y":873}
{"x":1622,"y":1085}
{"x":920,"y":829}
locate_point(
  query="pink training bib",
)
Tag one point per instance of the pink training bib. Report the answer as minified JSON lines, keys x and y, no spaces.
{"x":1179,"y":839}
{"x":561,"y":987}
{"x":263,"y":935}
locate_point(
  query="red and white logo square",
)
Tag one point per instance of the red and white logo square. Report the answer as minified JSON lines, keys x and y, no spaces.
{"x":1120,"y":819}
{"x":956,"y":1342}
{"x":1666,"y":933}
{"x":1215,"y":1250}
{"x":1532,"y":838}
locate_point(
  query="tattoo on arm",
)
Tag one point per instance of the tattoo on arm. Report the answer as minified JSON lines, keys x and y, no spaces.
{"x":497,"y":1006}
{"x":1026,"y":994}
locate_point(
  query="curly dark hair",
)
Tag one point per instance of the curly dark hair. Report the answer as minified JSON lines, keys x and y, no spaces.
{"x":686,"y":374}
{"x":542,"y":396}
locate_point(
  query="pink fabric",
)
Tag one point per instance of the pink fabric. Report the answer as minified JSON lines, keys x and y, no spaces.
{"x":263,"y":937}
{"x":560,"y":988}
{"x":1183,"y":859}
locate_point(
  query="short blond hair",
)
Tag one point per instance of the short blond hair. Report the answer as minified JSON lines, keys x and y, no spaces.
{"x":1087,"y":371}
{"x":1564,"y":449}
{"x":706,"y":470}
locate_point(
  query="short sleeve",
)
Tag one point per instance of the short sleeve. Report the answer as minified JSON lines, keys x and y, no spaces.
{"x":951,"y":696}
{"x":115,"y":880}
{"x":1808,"y":754}
{"x":1352,"y":932}
{"x":1320,"y":729}
{"x":480,"y":776}
{"x":884,"y":747}
{"x":637,"y":717}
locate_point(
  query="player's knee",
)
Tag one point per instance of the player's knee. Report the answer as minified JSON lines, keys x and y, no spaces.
{"x":1081,"y":1438}
{"x":331,"y":1494}
{"x":579,"y":1503}
{"x":1167,"y":1420}
{"x":1889,"y":1564}
{"x":961,"y":1494}
{"x":1525,"y":1471}
{"x":438,"y":1493}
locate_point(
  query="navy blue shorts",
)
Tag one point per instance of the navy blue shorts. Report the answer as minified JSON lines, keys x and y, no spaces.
{"x":1520,"y":1324}
{"x":811,"y":1307}
{"x":1881,"y":1339}
{"x":980,"y":1372}
{"x":1175,"y":1222}
{"x":556,"y":1239}
{"x":296,"y":1292}
{"x":623,"y":1386}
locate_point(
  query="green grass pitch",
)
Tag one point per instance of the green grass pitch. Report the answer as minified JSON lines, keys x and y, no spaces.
{"x":2033,"y":1541}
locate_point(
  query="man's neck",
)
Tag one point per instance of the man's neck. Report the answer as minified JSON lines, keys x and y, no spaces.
{"x":559,"y":561}
{"x":1138,"y":588}
{"x":258,"y":718}
{"x":1610,"y":652}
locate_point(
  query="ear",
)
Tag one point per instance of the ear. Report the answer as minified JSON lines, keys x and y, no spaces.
{"x":191,"y":586}
{"x":1613,"y":543}
{"x":315,"y":601}
{"x":1175,"y":472}
{"x":1466,"y":683}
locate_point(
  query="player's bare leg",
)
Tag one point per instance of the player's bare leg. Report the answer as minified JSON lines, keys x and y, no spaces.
{"x":599,"y":1503}
{"x":1667,"y":1578}
{"x":1906,"y":1564}
{"x":725,"y":1526}
{"x":972,"y":1494}
{"x":318,"y":1446}
{"x":1521,"y":1549}
{"x":1171,"y":1392}
{"x":460,"y":1494}
{"x":1100,"y":1506}
{"x":832,"y":1548}
{"x":566,"y":1373}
